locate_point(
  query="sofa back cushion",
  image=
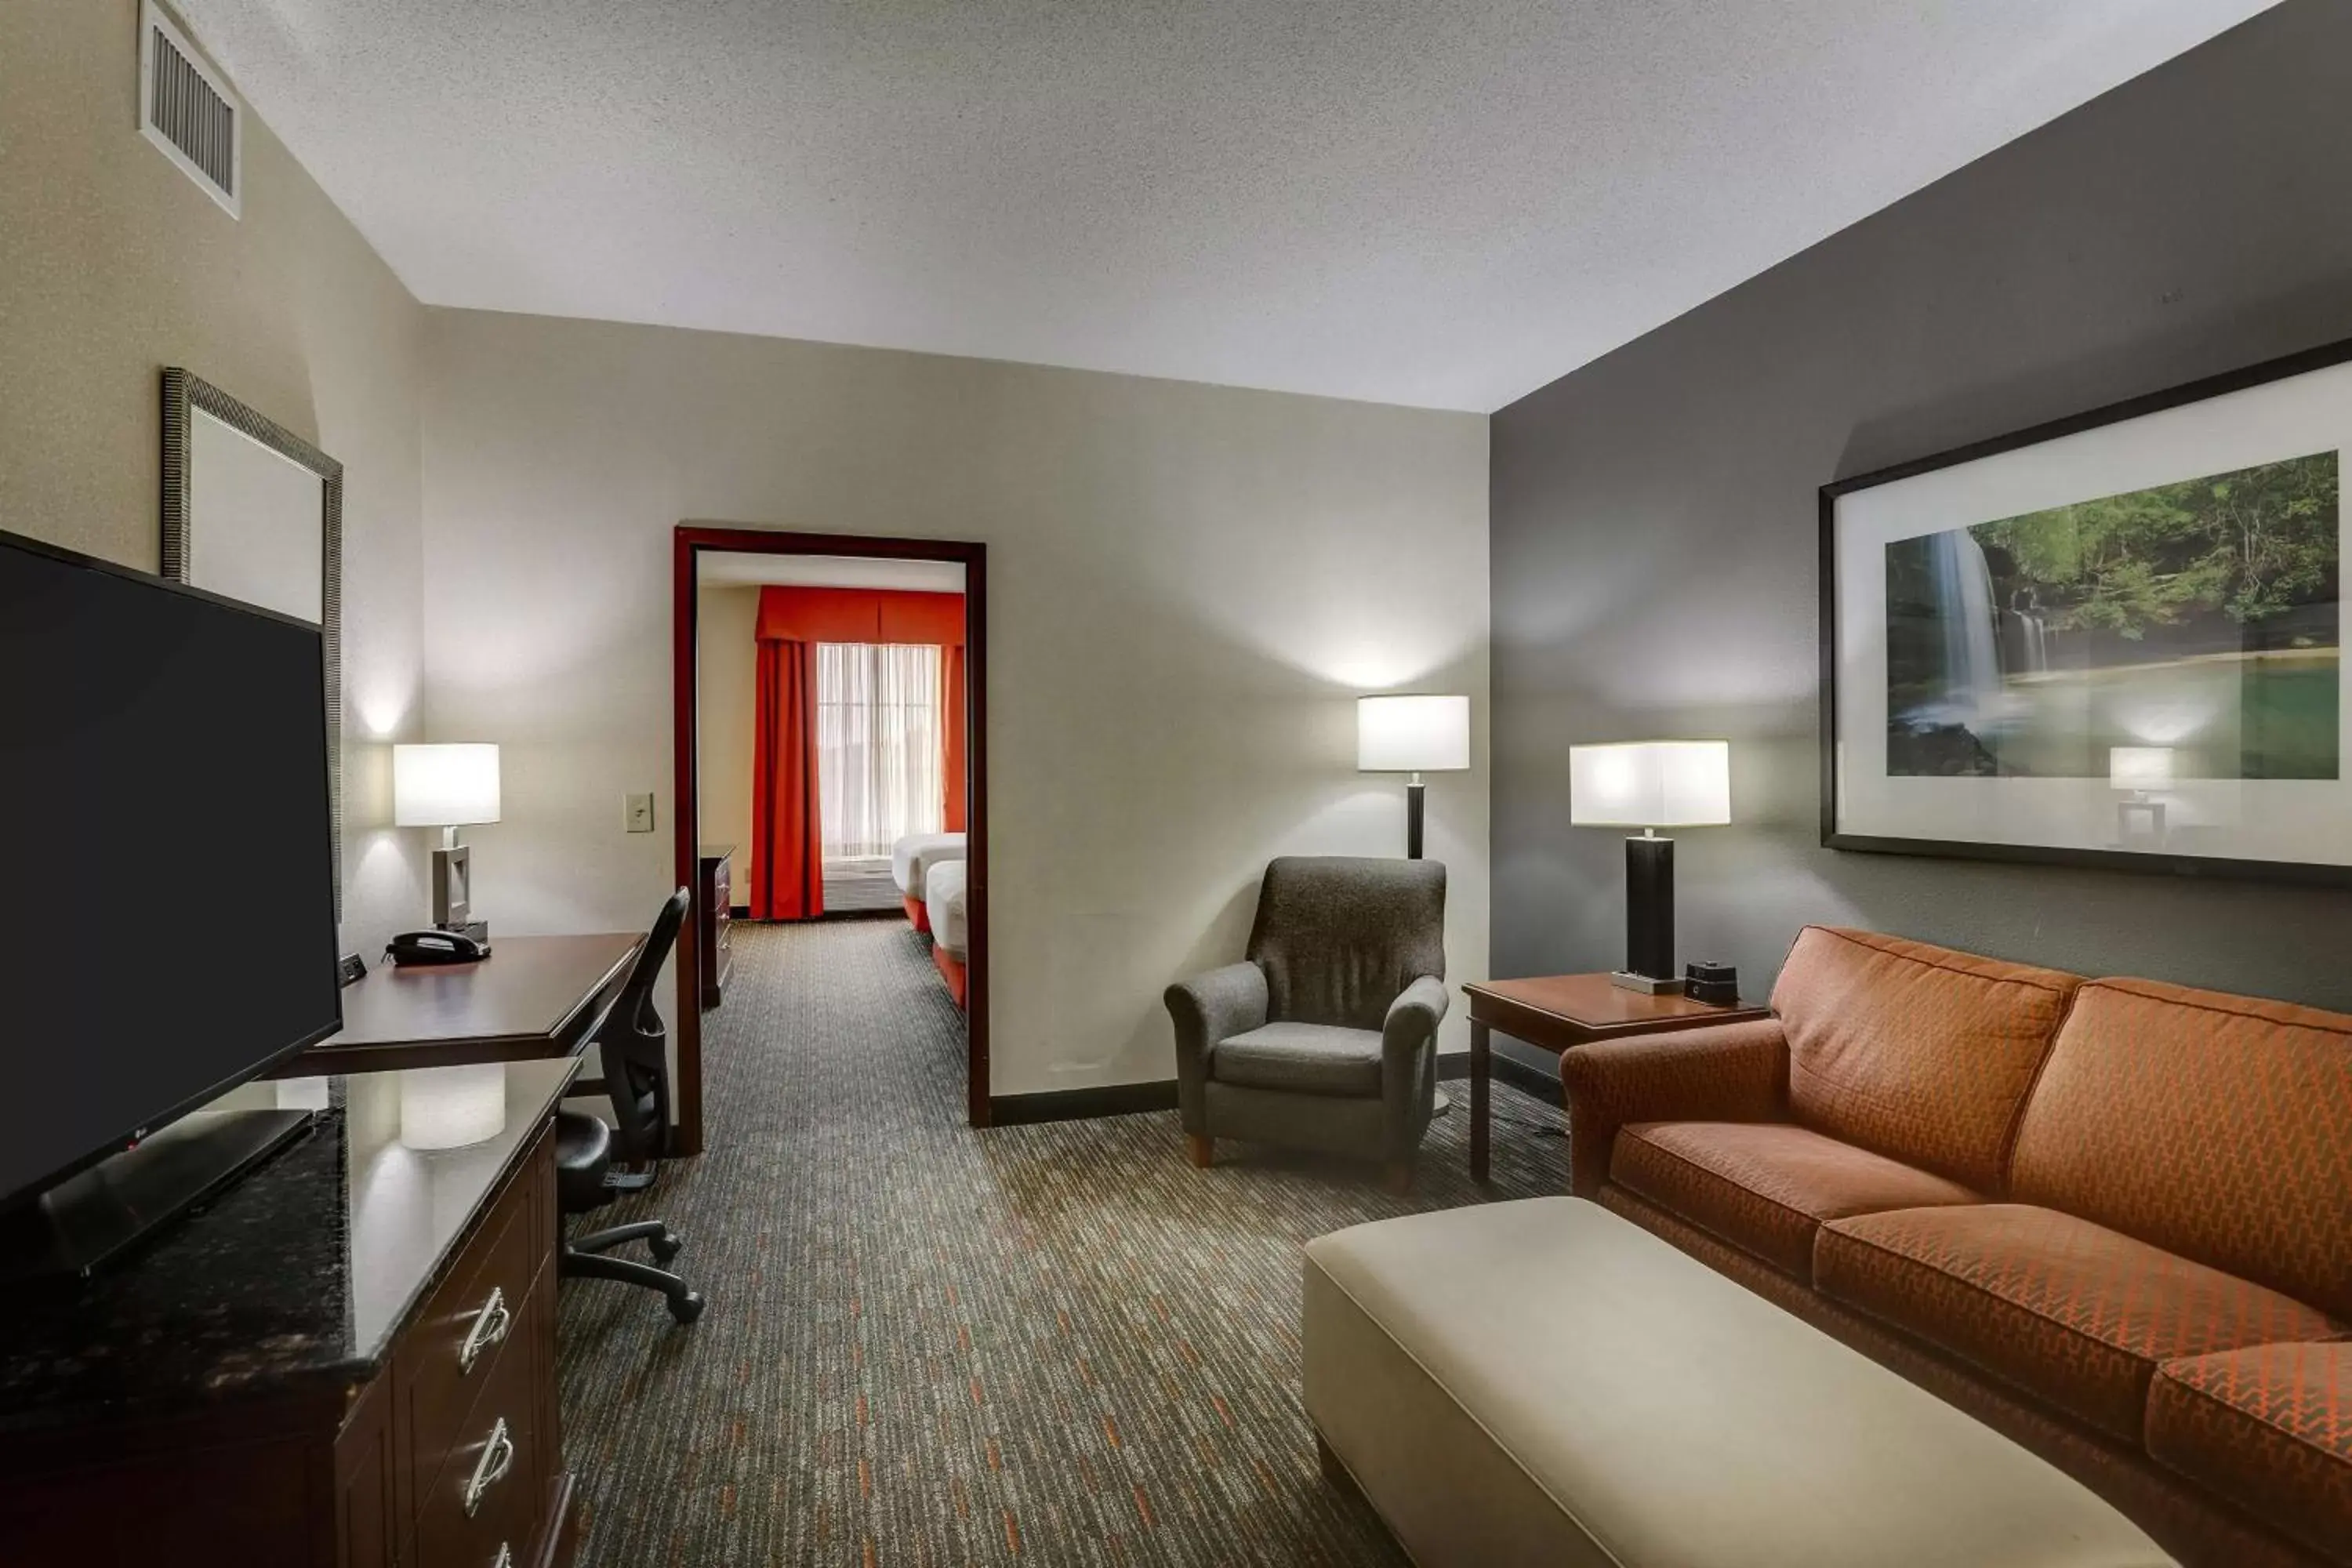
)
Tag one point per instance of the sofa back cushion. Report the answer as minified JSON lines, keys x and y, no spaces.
{"x":1915,"y":1052}
{"x":2217,"y":1127}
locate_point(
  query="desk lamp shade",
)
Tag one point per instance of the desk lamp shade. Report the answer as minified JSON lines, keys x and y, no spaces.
{"x":447,"y":787}
{"x":444,"y":787}
{"x":1412,"y":735}
{"x":1650,"y":785}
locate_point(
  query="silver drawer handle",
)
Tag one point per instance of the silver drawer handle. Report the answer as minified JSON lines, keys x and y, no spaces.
{"x":497,"y":1458}
{"x":490,"y":1326}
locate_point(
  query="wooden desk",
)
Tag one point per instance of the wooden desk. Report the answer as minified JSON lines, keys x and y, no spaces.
{"x":1556,"y":1013}
{"x":533,"y":996}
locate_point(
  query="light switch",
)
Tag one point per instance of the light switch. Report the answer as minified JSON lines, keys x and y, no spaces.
{"x":641,"y":812}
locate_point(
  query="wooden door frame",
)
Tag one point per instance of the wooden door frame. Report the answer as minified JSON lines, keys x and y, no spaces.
{"x":689,"y":541}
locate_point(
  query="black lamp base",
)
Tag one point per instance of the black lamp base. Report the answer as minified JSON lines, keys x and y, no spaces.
{"x":1649,"y":918}
{"x":1412,"y":814}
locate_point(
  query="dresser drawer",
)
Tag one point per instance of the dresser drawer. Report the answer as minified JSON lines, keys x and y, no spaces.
{"x":488,"y":1494}
{"x":475,"y":1318}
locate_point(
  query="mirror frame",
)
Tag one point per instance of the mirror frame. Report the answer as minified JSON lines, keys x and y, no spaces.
{"x":187,"y":395}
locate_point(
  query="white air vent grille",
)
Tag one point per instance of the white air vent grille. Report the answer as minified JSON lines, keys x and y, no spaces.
{"x":188,"y":110}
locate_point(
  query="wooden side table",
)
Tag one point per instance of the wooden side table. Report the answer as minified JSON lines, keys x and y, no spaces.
{"x":1557,"y":1012}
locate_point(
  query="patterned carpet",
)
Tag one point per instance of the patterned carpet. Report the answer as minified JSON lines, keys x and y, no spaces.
{"x":1042,"y":1345}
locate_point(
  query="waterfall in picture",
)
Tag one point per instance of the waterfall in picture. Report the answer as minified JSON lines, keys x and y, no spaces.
{"x":1969,"y":619}
{"x":2029,"y":634}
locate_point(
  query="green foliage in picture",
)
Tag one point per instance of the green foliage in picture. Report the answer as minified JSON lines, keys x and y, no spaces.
{"x":2249,"y":545}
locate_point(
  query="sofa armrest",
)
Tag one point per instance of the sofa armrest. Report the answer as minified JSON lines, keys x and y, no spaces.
{"x":1727,"y":1072}
{"x":1205,"y":1009}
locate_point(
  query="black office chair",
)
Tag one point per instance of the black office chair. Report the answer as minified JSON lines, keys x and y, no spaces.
{"x":635,"y":1050}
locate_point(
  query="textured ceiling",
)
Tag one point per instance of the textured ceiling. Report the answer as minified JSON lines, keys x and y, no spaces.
{"x":1437,"y":202}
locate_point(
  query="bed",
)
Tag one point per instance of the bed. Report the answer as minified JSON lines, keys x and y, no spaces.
{"x":944,"y":898}
{"x":912,"y":859}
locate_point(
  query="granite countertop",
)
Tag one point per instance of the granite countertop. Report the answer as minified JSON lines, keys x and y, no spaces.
{"x":298,"y":1276}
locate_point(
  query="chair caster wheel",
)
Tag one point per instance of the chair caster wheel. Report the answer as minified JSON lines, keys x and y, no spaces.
{"x":665,"y":1247}
{"x":686,"y":1308}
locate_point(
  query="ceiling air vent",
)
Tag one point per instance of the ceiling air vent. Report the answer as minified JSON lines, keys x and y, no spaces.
{"x":187,"y":109}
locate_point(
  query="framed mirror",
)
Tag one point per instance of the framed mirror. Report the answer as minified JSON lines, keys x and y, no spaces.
{"x":254,"y":512}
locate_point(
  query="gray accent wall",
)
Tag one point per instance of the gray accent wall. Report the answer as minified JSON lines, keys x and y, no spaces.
{"x":1655,"y":524}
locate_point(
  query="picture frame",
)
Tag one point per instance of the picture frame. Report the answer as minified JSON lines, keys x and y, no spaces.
{"x":2109,"y":640}
{"x":254,"y":512}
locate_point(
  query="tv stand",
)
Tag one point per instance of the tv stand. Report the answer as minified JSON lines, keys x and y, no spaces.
{"x":80,"y":1225}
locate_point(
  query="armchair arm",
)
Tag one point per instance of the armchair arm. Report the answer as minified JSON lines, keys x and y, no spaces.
{"x":1408,"y":1058}
{"x":1205,"y":1009}
{"x":1727,"y":1072}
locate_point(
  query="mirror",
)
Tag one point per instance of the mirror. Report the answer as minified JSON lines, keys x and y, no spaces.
{"x":253,"y":511}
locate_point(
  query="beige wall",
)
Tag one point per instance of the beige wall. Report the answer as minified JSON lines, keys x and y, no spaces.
{"x":725,"y":621}
{"x":113,"y":265}
{"x":1188,"y":584}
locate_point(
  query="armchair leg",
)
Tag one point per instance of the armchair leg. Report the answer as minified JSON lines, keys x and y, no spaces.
{"x":1203,"y":1151}
{"x":1400,"y":1178}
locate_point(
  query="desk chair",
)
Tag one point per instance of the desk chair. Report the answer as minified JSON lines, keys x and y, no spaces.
{"x":635,"y":1046}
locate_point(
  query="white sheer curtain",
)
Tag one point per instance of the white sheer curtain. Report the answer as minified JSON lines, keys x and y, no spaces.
{"x":878,"y":745}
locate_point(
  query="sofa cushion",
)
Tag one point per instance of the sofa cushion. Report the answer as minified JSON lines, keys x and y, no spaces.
{"x":2072,"y":1311}
{"x":1918,"y":1053}
{"x":1301,"y":1058}
{"x":1766,"y":1186}
{"x":2270,"y":1428}
{"x":2217,"y":1127}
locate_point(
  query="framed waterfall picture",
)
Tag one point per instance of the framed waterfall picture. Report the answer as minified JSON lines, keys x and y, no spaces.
{"x":2111,"y":640}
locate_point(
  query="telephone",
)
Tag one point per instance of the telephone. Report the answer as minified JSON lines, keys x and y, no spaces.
{"x":435,"y":947}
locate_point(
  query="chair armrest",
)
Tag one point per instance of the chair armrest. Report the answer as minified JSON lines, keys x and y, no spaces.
{"x":1205,"y":1009}
{"x":1409,"y":1064}
{"x":1412,"y":1019}
{"x":1727,"y":1072}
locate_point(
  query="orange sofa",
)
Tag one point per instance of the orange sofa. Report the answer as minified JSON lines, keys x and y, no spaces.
{"x":2112,"y":1218}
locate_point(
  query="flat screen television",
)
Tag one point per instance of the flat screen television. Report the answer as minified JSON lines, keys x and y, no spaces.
{"x":166,"y":870}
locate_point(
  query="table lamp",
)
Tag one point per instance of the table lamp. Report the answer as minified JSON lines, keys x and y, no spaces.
{"x":2140,"y":772}
{"x":447,"y":787}
{"x":1650,"y":785}
{"x":1412,"y":735}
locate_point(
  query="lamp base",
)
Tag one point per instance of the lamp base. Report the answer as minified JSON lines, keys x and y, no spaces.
{"x":1647,"y":985}
{"x":475,"y":931}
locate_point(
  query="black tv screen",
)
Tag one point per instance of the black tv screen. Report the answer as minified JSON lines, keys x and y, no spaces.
{"x":165,"y":861}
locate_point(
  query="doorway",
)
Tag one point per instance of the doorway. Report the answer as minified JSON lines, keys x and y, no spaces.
{"x":697,"y":551}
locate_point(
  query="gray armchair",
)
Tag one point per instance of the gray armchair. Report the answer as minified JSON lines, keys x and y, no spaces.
{"x":1326,"y":1036}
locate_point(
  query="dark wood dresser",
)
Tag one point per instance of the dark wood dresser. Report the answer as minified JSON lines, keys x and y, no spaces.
{"x":713,"y":912}
{"x":347,"y":1361}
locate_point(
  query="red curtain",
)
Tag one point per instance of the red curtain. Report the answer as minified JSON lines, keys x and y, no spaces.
{"x":951,"y":706}
{"x":787,"y":854}
{"x":787,"y":864}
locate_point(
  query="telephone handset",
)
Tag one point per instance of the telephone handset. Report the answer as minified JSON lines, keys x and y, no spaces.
{"x":435,"y":947}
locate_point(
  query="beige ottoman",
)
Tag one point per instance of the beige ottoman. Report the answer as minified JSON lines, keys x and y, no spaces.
{"x":1545,"y":1383}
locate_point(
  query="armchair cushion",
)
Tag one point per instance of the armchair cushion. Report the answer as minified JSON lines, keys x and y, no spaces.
{"x":1301,"y":1058}
{"x":1728,"y":1072}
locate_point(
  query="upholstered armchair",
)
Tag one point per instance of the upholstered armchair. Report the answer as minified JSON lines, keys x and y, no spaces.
{"x":1326,"y":1036}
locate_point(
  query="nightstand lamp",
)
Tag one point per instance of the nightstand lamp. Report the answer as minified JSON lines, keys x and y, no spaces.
{"x":1412,"y":735}
{"x":1650,"y":785}
{"x":447,"y":787}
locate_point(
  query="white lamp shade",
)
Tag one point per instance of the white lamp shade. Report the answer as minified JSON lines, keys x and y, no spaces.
{"x":2140,"y":767}
{"x":450,"y":1108}
{"x":1412,"y":734}
{"x":1649,"y":784}
{"x":444,"y":787}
